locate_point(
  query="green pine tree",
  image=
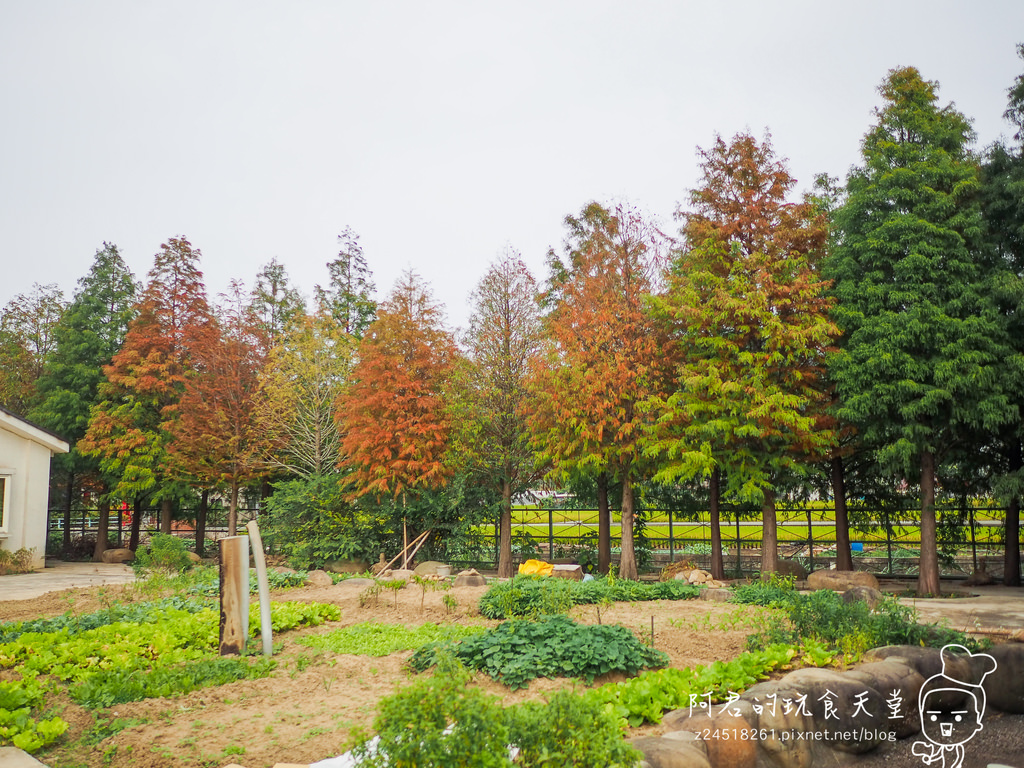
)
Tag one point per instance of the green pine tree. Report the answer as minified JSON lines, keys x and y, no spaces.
{"x":88,"y":335}
{"x":920,"y":360}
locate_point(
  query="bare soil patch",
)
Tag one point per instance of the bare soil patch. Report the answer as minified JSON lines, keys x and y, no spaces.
{"x":315,"y":701}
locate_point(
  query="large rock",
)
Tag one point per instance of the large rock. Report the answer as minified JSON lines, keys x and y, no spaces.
{"x":841,"y":580}
{"x":430,"y":568}
{"x":845,"y":710}
{"x":120,"y":555}
{"x":790,"y":568}
{"x":900,"y":684}
{"x":715,"y":594}
{"x":1004,"y":688}
{"x":864,"y":594}
{"x":663,"y":752}
{"x":318,"y":579}
{"x":12,"y":757}
{"x":728,"y":733}
{"x":346,"y":566}
{"x":567,"y":571}
{"x":470,"y":578}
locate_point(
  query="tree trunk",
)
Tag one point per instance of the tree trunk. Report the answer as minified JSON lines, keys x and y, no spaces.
{"x":769,"y":534}
{"x":166,"y":513}
{"x":102,"y":531}
{"x":844,"y":557}
{"x":627,"y":561}
{"x":714,"y":484}
{"x":505,"y":570}
{"x":233,"y":511}
{"x":928,"y":568}
{"x":204,"y":508}
{"x":1011,"y":554}
{"x":66,"y":543}
{"x":133,"y":542}
{"x":604,"y":526}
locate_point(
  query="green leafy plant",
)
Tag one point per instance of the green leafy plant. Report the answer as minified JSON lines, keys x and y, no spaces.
{"x":373,"y":639}
{"x":18,"y":726}
{"x":440,"y":720}
{"x":164,"y":552}
{"x":117,"y":687}
{"x":515,"y":652}
{"x":532,"y":596}
{"x":651,"y":694}
{"x":568,"y":730}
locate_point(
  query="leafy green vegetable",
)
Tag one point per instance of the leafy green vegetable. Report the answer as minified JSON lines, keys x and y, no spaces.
{"x":106,"y":689}
{"x":517,"y":651}
{"x":373,"y":639}
{"x":532,"y":596}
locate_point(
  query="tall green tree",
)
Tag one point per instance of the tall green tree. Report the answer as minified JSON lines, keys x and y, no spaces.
{"x":751,"y":329}
{"x":503,"y":337}
{"x":86,"y":338}
{"x":349,"y":294}
{"x":605,"y":356}
{"x":27,"y":340}
{"x":920,"y":363}
{"x":274,"y":305}
{"x":129,"y":427}
{"x":1002,"y":176}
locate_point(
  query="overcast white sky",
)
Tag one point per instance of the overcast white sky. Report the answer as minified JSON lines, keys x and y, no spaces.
{"x":441,"y":132}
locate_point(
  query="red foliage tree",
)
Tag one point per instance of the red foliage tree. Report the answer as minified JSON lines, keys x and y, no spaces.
{"x":215,"y":438}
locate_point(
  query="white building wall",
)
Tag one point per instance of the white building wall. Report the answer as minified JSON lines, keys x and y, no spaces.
{"x":25,"y":466}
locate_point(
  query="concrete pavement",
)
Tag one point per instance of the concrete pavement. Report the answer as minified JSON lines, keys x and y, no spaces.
{"x":59,"y":575}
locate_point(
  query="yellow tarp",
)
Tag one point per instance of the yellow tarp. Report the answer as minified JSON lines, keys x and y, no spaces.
{"x":536,"y":568}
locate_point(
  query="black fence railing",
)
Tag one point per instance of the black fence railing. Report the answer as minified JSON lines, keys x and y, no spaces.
{"x":884,"y":542}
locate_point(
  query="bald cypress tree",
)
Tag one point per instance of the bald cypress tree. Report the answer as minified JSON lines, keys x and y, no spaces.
{"x":919,"y":368}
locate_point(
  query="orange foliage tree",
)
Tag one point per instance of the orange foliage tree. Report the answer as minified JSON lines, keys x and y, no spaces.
{"x":395,"y":425}
{"x":128,"y":427}
{"x":605,"y":355}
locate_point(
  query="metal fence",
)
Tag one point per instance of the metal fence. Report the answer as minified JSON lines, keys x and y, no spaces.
{"x":884,"y":542}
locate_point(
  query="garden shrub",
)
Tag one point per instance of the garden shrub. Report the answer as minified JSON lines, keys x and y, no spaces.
{"x":164,"y":552}
{"x":517,"y":651}
{"x":853,"y":627}
{"x":438,"y":721}
{"x":15,"y":562}
{"x":568,"y":730}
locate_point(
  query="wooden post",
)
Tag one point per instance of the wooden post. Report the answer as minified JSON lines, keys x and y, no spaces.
{"x":234,"y":594}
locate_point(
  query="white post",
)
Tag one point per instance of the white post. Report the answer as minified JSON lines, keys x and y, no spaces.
{"x":266,"y":629}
